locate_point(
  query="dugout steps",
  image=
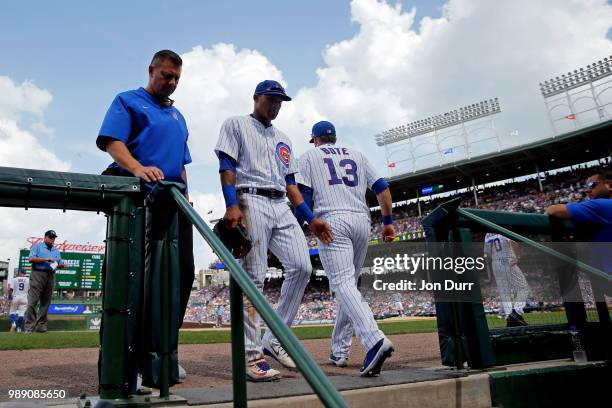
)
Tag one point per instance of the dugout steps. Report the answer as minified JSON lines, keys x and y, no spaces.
{"x":535,"y":385}
{"x":557,"y":383}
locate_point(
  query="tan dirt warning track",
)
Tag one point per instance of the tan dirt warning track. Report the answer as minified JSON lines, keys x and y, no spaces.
{"x":75,"y":370}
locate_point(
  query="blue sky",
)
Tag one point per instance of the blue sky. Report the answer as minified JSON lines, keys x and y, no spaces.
{"x":365,"y":65}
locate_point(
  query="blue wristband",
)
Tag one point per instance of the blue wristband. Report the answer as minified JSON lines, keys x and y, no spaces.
{"x":302,"y":211}
{"x":229,"y":194}
{"x":387,"y":219}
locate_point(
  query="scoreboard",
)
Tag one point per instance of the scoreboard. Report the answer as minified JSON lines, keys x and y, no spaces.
{"x":83,"y":271}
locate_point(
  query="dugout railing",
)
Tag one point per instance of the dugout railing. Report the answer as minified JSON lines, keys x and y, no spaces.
{"x":140,"y":317}
{"x":463,"y":330}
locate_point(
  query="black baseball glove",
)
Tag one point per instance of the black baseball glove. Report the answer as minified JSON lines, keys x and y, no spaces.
{"x":235,"y":239}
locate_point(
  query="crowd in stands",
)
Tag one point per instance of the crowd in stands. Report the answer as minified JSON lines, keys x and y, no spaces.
{"x":520,"y":196}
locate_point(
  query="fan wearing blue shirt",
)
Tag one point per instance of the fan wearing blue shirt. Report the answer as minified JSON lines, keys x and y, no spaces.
{"x":147,"y":138}
{"x":594,"y":218}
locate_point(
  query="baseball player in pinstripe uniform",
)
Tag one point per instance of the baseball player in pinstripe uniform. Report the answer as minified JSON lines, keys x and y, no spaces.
{"x":335,"y":179}
{"x":257,"y":174}
{"x":18,"y":294}
{"x":502,"y":254}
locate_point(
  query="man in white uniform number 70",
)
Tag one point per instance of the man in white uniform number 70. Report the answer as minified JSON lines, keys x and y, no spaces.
{"x":336,"y":179}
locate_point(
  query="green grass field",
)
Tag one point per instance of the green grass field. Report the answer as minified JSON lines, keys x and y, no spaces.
{"x":74,"y":338}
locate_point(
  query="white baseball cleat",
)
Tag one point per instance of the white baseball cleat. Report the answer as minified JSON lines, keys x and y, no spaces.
{"x":260,"y":371}
{"x":273,"y":349}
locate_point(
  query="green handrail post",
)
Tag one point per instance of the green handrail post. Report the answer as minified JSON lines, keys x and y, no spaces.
{"x":112,"y":337}
{"x":164,"y":389}
{"x":163,"y":269}
{"x":549,"y":251}
{"x":238,"y":353}
{"x":319,"y":382}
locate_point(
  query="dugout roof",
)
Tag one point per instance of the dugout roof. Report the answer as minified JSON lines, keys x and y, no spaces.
{"x":586,"y":144}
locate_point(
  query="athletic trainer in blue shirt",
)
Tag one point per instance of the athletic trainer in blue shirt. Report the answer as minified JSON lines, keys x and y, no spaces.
{"x":143,"y":132}
{"x":147,"y":137}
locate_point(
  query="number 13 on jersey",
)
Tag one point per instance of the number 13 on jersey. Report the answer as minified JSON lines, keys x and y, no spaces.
{"x":350,"y":178}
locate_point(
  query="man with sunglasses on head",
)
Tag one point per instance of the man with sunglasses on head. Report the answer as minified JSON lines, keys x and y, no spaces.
{"x":257,"y":170}
{"x":594,"y":218}
{"x":146,"y":136}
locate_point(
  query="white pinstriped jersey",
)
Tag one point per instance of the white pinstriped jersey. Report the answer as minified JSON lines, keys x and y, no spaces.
{"x":263,"y":154}
{"x":339,"y":177}
{"x":498,"y":248}
{"x":20,"y":285}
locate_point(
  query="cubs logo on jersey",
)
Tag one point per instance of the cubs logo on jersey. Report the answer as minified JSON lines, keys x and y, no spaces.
{"x":283,"y":154}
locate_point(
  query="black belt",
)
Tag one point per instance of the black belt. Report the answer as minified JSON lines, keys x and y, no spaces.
{"x":262,"y":192}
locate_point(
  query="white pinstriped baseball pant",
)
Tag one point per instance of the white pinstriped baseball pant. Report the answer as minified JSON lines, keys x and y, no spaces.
{"x":271,"y":224}
{"x":343,"y":260}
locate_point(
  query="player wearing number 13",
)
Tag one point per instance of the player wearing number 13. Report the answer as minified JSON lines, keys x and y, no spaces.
{"x":335,"y":179}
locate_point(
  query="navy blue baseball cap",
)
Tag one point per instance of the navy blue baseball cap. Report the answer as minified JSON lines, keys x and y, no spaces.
{"x":322,"y":128}
{"x":270,"y":87}
{"x":51,"y":234}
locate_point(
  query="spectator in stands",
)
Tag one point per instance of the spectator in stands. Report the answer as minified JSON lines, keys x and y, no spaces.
{"x":219,"y":315}
{"x":594,"y":217}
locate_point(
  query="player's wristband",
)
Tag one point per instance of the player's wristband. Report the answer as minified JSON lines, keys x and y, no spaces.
{"x":229,"y":194}
{"x":387,"y":219}
{"x":302,"y":211}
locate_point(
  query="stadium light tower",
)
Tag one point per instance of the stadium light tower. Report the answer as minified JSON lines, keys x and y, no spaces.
{"x":444,"y":126}
{"x":576,"y":97}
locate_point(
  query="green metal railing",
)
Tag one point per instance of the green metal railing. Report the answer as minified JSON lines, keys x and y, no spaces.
{"x":240,"y":283}
{"x":470,"y":215}
{"x":449,"y":223}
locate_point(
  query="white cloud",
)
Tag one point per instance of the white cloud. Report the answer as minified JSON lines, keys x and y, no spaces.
{"x":217,"y":83}
{"x":15,"y":100}
{"x":18,"y":147}
{"x":40,"y":127}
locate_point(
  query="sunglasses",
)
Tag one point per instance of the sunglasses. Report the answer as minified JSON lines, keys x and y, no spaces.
{"x":591,"y":184}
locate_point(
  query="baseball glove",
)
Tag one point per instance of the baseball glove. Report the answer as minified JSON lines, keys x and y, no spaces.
{"x":235,"y":239}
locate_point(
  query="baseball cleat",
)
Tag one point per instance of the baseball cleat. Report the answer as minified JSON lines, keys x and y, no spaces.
{"x":520,"y":318}
{"x":140,"y":389}
{"x":260,"y":371}
{"x":181,"y":373}
{"x":273,"y":349}
{"x":515,"y":320}
{"x":338,"y":361}
{"x":375,"y":357}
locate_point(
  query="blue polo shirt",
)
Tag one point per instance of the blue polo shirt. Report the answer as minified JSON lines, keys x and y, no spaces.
{"x":595,"y":217}
{"x":41,"y":250}
{"x":155,"y":135}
